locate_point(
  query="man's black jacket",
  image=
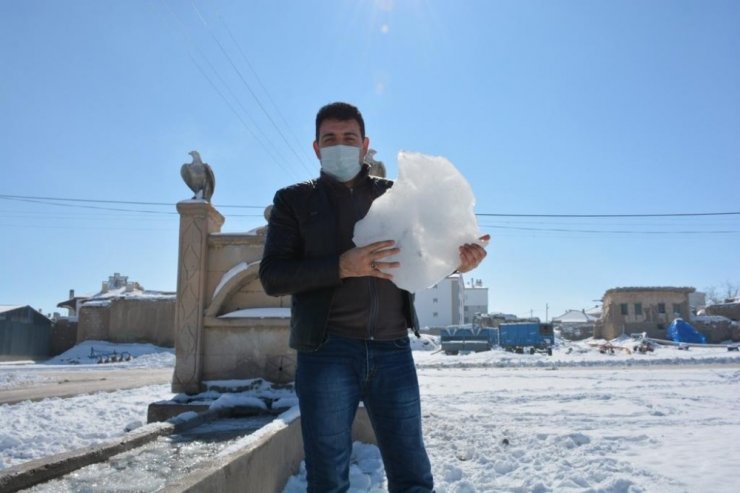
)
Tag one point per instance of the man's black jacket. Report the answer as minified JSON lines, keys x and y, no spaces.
{"x":301,"y":258}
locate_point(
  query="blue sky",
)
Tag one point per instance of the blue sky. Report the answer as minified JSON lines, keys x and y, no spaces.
{"x":547,"y":107}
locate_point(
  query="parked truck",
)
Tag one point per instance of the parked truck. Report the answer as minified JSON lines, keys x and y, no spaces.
{"x":456,"y":338}
{"x":526,"y":336}
{"x":517,"y":337}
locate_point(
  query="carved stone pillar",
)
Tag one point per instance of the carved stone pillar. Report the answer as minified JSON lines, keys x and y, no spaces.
{"x":197,"y":220}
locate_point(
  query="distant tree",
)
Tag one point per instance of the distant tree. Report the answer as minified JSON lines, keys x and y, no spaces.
{"x":730,"y":290}
{"x":716,"y":295}
{"x":711,"y":295}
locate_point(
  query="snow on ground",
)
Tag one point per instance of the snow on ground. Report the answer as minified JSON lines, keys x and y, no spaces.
{"x":31,"y":430}
{"x":10,"y":378}
{"x":97,"y":352}
{"x":577,"y":421}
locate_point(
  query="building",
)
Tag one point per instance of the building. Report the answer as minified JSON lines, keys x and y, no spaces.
{"x":452,"y":301}
{"x":475,"y":300}
{"x":442,"y":304}
{"x":25,"y":333}
{"x":72,"y":305}
{"x":575,"y":324}
{"x":123,"y":311}
{"x":697,"y":301}
{"x":642,"y":309}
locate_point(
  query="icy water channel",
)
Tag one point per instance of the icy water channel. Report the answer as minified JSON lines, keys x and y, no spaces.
{"x":150,"y":467}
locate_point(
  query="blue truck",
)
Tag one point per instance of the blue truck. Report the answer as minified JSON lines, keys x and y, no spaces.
{"x":530,"y":336}
{"x":467,"y":337}
{"x":517,"y":337}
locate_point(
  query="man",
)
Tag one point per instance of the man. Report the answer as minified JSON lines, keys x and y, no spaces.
{"x":349,"y":322}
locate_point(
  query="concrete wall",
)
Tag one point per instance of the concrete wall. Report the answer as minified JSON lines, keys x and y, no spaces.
{"x":149,"y":320}
{"x":143,"y":320}
{"x":228,"y":250}
{"x":63,"y":336}
{"x":717,"y":332}
{"x":218,"y":275}
{"x":264,"y":465}
{"x":236,"y":349}
{"x":93,"y":323}
{"x":729,"y":310}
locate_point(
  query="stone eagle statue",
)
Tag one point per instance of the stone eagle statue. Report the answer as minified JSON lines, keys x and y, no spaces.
{"x":377,"y":168}
{"x":198,"y":176}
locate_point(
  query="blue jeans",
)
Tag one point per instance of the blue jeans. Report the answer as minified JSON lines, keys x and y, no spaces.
{"x":330,"y":384}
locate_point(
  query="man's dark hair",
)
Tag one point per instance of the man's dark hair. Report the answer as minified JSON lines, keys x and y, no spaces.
{"x":342,"y":112}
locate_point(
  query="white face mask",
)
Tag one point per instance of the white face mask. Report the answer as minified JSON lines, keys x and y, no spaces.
{"x":341,"y":162}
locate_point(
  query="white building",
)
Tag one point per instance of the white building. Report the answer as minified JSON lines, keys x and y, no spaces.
{"x":451,"y":302}
{"x":442,"y":304}
{"x":475,"y":300}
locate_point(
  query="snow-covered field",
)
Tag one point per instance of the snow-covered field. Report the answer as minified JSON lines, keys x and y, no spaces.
{"x":31,"y":430}
{"x":579,"y":420}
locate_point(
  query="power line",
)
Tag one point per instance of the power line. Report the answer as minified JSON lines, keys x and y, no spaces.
{"x":84,"y":203}
{"x":480,"y":214}
{"x":113,"y":209}
{"x":102,"y":201}
{"x":249,"y":88}
{"x":606,"y":231}
{"x":257,"y":77}
{"x":226,"y":100}
{"x":675,"y":214}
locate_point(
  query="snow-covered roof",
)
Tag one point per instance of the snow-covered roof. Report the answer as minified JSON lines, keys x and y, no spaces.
{"x":710,"y":319}
{"x":650,"y":288}
{"x":10,"y":308}
{"x":728,"y":302}
{"x":131,"y":293}
{"x":595,"y":311}
{"x":121,"y":293}
{"x":573,"y":316}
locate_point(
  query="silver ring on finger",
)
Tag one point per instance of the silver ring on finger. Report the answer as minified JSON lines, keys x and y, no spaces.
{"x":373,"y":265}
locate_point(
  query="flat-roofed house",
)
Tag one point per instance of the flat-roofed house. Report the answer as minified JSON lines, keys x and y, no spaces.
{"x":642,"y":309}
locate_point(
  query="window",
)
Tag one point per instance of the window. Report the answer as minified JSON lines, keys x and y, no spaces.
{"x":434,"y":300}
{"x":677,"y":308}
{"x":638,"y":308}
{"x":661,"y":307}
{"x":623,"y":308}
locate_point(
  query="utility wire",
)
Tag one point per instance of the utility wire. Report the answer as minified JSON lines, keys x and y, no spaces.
{"x":256,"y":137}
{"x":46,"y":202}
{"x":257,"y":78}
{"x":130,"y":202}
{"x":480,"y":214}
{"x":249,"y":88}
{"x":226,"y":100}
{"x":568,"y":230}
{"x":675,"y":214}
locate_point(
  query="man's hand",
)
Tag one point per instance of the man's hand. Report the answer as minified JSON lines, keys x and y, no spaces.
{"x":365,"y":261}
{"x":472,"y":254}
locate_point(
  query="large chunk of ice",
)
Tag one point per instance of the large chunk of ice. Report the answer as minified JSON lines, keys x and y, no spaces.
{"x":429,"y":213}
